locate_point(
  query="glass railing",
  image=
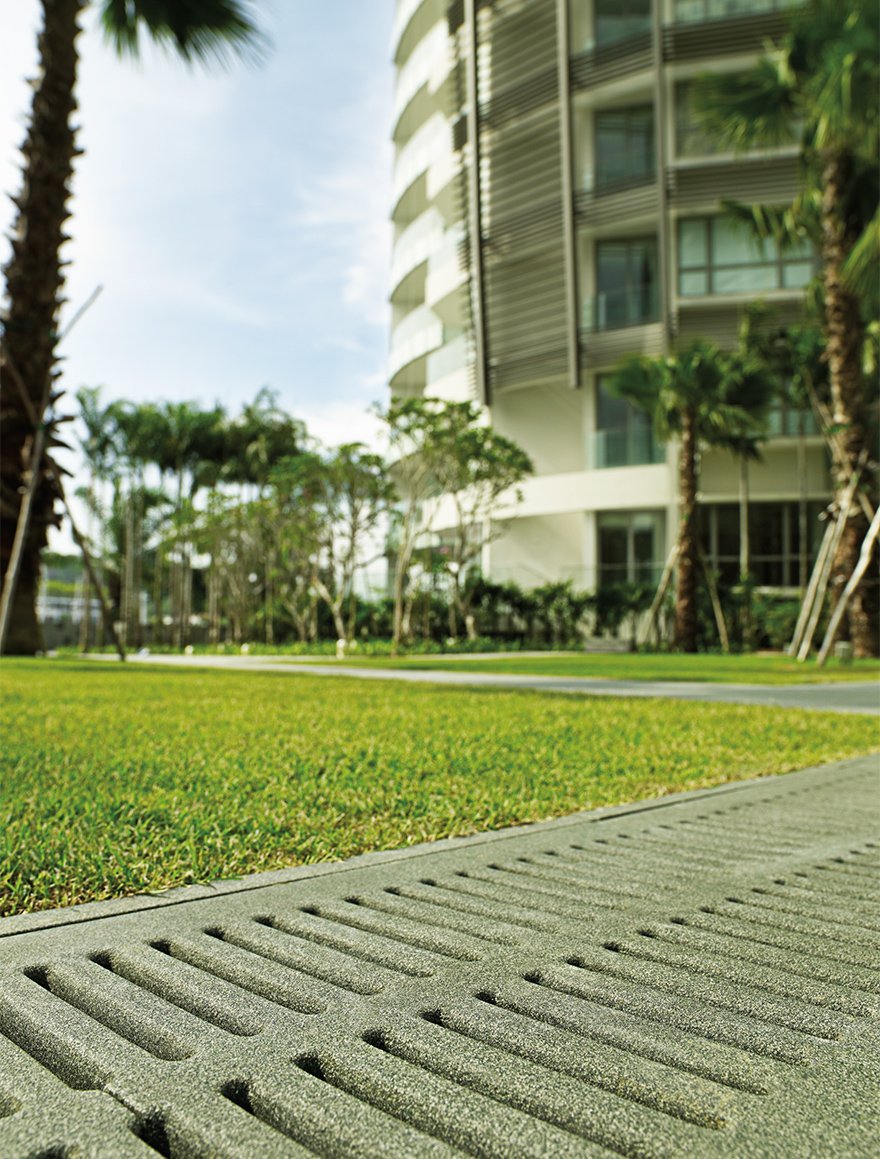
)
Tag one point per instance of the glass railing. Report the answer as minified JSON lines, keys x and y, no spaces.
{"x":785,"y":422}
{"x":450,"y":358}
{"x":629,"y":446}
{"x":698,"y":11}
{"x":614,"y":309}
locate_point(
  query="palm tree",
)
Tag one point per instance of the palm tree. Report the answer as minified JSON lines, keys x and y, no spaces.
{"x":701,"y":397}
{"x":822,"y":82}
{"x":198,"y":31}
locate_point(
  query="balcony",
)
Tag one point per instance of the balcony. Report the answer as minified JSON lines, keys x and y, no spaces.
{"x":701,"y":11}
{"x":618,"y":309}
{"x":633,"y":445}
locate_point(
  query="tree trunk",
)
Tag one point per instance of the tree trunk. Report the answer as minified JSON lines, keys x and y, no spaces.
{"x":686,"y":583}
{"x":844,"y":337}
{"x":34,"y":280}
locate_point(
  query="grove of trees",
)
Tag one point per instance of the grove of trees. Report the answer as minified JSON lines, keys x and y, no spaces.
{"x":237,"y":528}
{"x":30,"y":483}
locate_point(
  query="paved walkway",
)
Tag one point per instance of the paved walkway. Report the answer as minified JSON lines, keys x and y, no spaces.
{"x":861,"y":697}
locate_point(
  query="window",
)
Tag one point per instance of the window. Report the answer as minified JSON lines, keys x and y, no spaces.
{"x":624,"y":147}
{"x":624,"y":435}
{"x":621,"y":19}
{"x":627,"y":292}
{"x":787,"y":421}
{"x":629,"y":546}
{"x":720,"y":256}
{"x":696,"y":11}
{"x":777,"y":559}
{"x":691,"y":139}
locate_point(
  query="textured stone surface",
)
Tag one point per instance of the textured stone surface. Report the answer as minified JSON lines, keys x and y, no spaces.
{"x":692,"y":976}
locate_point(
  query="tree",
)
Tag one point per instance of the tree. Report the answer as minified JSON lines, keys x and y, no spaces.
{"x":477,"y":468}
{"x":353,"y":493}
{"x":702,"y":397}
{"x":198,"y":31}
{"x":821,"y":84}
{"x":443,"y":451}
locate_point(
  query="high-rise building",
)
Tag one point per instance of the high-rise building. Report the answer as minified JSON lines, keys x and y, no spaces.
{"x":556,"y":206}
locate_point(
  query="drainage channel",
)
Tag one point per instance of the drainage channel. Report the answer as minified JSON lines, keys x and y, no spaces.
{"x":700,"y":978}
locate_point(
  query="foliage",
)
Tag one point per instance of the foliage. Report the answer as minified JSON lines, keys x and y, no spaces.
{"x":180,"y":776}
{"x":821,"y":85}
{"x":196,"y":30}
{"x":444,"y":451}
{"x":703,"y":397}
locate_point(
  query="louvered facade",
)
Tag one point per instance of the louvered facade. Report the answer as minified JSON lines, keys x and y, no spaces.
{"x":556,"y":208}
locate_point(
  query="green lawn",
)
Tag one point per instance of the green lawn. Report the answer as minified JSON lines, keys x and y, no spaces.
{"x":117,"y":780}
{"x":746,"y":669}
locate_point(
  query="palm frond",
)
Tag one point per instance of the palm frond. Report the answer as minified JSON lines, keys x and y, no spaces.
{"x":199,"y":31}
{"x":860,"y":271}
{"x":749,"y":109}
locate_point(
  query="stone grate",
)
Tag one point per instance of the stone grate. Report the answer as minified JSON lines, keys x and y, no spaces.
{"x":698,"y":977}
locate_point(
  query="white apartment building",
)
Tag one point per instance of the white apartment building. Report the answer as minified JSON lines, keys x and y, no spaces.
{"x":555,"y":208}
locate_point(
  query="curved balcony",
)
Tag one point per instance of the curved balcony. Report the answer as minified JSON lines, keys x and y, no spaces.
{"x":424,"y":148}
{"x":415,"y":245}
{"x":413,"y":19}
{"x":412,"y":338}
{"x":429,"y":64}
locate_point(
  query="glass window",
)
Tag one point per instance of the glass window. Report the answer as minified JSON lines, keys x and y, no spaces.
{"x":624,"y":435}
{"x":691,"y":139}
{"x":774,"y":541}
{"x":719,"y":256}
{"x":621,"y":19}
{"x":624,"y":146}
{"x":630,"y":546}
{"x":627,"y":293}
{"x":695,"y":11}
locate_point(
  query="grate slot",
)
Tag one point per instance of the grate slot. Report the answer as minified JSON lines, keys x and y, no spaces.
{"x":444,"y":895}
{"x":753,"y":975}
{"x":441,"y":917}
{"x":587,"y":1112}
{"x":216,"y":959}
{"x":725,"y":1065}
{"x":184,"y":986}
{"x":267,"y":943}
{"x":328,"y":1121}
{"x":352,"y":913}
{"x":436,"y":1106}
{"x":659,"y":1087}
{"x":52,"y":1034}
{"x":696,"y":1017}
{"x":803,"y":965}
{"x":754,"y":909}
{"x":613,"y":960}
{"x":308,"y":924}
{"x":540,"y":893}
{"x":814,"y":901}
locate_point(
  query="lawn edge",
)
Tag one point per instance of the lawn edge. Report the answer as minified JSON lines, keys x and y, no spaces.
{"x":30,"y":922}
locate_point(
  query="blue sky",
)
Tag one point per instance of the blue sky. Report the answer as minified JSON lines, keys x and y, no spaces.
{"x":237,"y":220}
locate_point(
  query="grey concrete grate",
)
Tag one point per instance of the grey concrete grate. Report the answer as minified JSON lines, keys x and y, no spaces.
{"x":696,"y":978}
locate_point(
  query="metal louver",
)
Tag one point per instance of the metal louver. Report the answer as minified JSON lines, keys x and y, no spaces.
{"x":696,"y":976}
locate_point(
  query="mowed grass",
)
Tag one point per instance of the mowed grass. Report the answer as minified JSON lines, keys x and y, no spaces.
{"x":120,"y":780}
{"x":745,"y":669}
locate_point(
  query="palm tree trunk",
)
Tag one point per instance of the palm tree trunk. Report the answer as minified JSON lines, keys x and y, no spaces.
{"x":844,"y":335}
{"x":686,"y":583}
{"x":34,"y":280}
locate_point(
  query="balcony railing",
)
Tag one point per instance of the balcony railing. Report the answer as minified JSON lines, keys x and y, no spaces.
{"x":699,"y":11}
{"x":615,"y":309}
{"x":630,"y":446}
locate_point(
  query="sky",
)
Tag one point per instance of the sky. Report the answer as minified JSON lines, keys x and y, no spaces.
{"x":236,"y":220}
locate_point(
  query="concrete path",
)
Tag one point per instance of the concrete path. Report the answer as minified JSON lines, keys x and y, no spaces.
{"x":861,"y":697}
